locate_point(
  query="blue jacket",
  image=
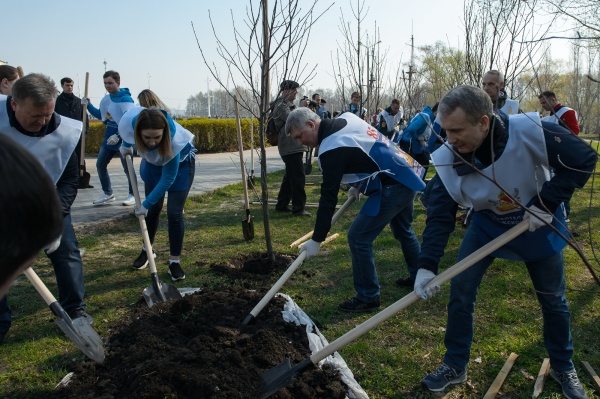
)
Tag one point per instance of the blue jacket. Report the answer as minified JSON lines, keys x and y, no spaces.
{"x":417,"y":126}
{"x":112,"y":126}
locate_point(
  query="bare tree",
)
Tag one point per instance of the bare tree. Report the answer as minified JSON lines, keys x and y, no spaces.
{"x":502,"y":35}
{"x":265,"y":44}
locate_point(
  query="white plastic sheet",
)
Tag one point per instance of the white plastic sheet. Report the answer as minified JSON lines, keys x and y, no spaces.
{"x":294,"y":314}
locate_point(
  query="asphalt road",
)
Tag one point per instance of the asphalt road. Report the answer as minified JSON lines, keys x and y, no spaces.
{"x":212,"y":171}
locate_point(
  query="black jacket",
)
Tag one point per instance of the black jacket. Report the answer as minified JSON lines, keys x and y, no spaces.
{"x":69,"y":105}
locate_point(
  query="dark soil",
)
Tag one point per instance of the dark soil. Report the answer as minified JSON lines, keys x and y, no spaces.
{"x":196,"y":347}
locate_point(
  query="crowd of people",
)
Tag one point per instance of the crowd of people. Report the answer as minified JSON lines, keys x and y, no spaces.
{"x":492,"y":158}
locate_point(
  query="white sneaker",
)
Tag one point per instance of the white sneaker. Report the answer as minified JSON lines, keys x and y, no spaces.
{"x":104,"y":199}
{"x":130,"y":200}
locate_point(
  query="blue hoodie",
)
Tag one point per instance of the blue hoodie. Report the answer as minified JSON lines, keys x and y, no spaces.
{"x":123,"y":96}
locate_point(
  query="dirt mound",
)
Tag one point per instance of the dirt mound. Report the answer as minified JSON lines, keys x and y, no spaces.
{"x":196,"y":347}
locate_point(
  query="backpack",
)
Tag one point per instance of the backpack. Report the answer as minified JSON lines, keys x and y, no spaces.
{"x":272,"y":131}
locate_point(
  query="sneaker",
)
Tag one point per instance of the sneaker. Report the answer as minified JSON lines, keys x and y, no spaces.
{"x":356,"y":305}
{"x":141,"y":262}
{"x":130,"y":200}
{"x":405,"y":282}
{"x":80,"y":313}
{"x":571,"y":387}
{"x":301,"y":213}
{"x":444,"y":376}
{"x":176,"y":272}
{"x":104,"y":199}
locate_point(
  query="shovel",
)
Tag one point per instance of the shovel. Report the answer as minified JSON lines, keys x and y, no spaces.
{"x":80,"y":332}
{"x":282,"y":375}
{"x":334,"y":219}
{"x":247,"y":222}
{"x":84,"y":176}
{"x":288,"y":273}
{"x":157,"y":292}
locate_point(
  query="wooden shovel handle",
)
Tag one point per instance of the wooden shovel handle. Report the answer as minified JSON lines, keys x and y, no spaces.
{"x":141,"y":218}
{"x":411,"y":298}
{"x":241,"y":149}
{"x":39,"y":286}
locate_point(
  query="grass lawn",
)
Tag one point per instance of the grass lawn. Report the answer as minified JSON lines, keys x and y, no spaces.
{"x":388,"y":362}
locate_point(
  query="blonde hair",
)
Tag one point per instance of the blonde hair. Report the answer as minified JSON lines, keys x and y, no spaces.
{"x":153,"y":118}
{"x":148,"y":98}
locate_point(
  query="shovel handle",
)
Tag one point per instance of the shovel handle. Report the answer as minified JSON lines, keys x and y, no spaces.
{"x":83,"y":121}
{"x":141,"y":218}
{"x":411,"y":298}
{"x":39,"y":286}
{"x":334,"y":219}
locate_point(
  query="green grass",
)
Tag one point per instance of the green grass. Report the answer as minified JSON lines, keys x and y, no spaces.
{"x":388,"y":362}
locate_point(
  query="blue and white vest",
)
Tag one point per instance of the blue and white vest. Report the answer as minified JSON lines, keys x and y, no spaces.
{"x":389,"y":158}
{"x":511,"y":107}
{"x":521,"y":170}
{"x":110,"y":110}
{"x":554,"y":118}
{"x":54,"y":149}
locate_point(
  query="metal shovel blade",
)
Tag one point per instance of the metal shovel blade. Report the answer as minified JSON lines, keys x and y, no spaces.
{"x":81,"y":333}
{"x":281,"y":376}
{"x":160,"y":292}
{"x":248,"y":226}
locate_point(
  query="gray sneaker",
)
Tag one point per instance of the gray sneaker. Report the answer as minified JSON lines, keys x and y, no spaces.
{"x":104,"y":199}
{"x":571,"y":387}
{"x":444,"y":376}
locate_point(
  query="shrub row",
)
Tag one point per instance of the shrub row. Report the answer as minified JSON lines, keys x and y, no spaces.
{"x":212,"y":135}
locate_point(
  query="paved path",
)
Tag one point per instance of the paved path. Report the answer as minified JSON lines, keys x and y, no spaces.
{"x":212,"y":171}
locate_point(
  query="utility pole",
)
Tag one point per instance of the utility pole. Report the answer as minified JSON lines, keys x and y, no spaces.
{"x":208,"y":96}
{"x":411,"y":69}
{"x":149,"y":81}
{"x":105,"y":65}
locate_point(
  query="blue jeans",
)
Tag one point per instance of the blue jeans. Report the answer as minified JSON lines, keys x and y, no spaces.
{"x":548,"y":280}
{"x":174,"y":212}
{"x":104,"y":157}
{"x":68,"y":270}
{"x":397,"y":210}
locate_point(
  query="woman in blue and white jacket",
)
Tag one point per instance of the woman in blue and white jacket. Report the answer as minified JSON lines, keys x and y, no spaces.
{"x":168,"y":165}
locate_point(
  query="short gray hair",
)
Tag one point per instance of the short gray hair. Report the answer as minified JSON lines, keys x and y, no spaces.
{"x":472,"y":100}
{"x":41,"y":89}
{"x":496,"y":73}
{"x":297,"y":119}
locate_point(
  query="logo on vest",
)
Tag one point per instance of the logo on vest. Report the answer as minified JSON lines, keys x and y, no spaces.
{"x":504,"y":203}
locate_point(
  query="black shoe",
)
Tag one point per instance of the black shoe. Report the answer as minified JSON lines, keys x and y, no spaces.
{"x":176,"y":272}
{"x":444,"y":376}
{"x":78,"y":313}
{"x":301,"y":213}
{"x":571,"y":387}
{"x":356,"y":305}
{"x":141,"y":262}
{"x":405,"y":282}
{"x":285,"y":209}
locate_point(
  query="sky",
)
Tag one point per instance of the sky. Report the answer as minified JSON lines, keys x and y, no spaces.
{"x":152,"y":45}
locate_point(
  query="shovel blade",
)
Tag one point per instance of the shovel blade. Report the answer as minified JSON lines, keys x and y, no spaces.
{"x":81,"y":333}
{"x":170,"y":292}
{"x":84,"y":180}
{"x":248,"y":229}
{"x":281,"y":376}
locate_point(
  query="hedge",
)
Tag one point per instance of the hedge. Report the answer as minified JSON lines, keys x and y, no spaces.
{"x":212,"y":135}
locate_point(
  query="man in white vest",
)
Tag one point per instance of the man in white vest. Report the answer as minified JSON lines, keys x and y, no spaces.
{"x":353,"y":152}
{"x":499,"y":166}
{"x":560,"y":114}
{"x":28,"y":117}
{"x":493,"y":84}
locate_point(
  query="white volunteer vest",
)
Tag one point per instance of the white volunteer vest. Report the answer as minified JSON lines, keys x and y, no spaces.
{"x":178,"y":141}
{"x":54,"y":149}
{"x":112,"y":110}
{"x":511,"y":107}
{"x":554,"y":118}
{"x":521,"y":170}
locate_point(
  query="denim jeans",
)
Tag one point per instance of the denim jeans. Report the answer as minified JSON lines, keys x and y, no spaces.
{"x":104,"y":157}
{"x":548,"y":280}
{"x":68,"y":270}
{"x":397,"y":210}
{"x":292,"y":185}
{"x":175,"y":205}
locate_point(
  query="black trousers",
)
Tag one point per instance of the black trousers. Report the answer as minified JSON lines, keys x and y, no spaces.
{"x":292,"y":185}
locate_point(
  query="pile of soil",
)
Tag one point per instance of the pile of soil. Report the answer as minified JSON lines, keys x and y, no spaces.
{"x":197,"y":347}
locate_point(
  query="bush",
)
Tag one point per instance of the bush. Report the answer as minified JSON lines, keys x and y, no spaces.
{"x":212,"y":135}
